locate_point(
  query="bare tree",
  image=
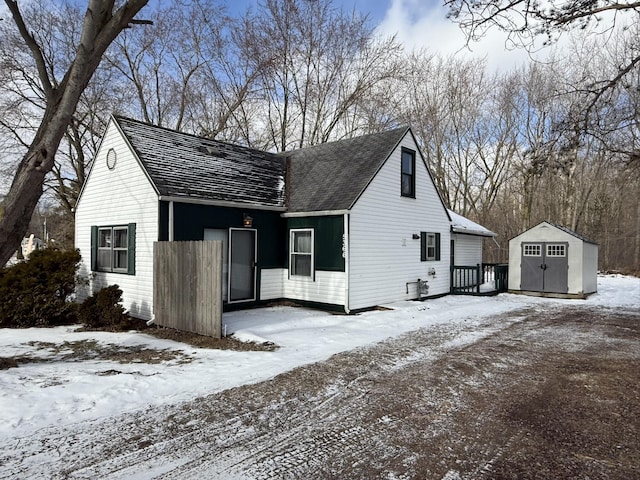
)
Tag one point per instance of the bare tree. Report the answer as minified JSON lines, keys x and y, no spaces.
{"x":102,"y":23}
{"x":160,"y":63}
{"x":467,"y":124}
{"x":24,"y":101}
{"x":527,"y":20}
{"x":320,"y":63}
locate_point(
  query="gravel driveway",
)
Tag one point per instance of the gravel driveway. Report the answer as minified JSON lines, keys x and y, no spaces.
{"x":552,"y":394}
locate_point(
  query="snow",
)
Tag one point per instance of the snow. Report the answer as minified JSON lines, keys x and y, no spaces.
{"x":462,"y":224}
{"x":60,"y":391}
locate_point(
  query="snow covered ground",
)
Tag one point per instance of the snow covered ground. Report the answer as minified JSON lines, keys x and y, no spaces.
{"x":61,"y":391}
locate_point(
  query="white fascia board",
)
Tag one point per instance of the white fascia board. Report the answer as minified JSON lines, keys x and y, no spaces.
{"x":320,"y":213}
{"x":218,"y":203}
{"x":476,"y":233}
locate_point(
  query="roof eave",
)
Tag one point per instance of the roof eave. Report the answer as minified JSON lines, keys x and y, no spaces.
{"x":477,"y":233}
{"x":317,"y":213}
{"x":220,"y":203}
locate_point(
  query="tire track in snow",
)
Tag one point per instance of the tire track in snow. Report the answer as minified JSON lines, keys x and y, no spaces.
{"x":243,"y":432}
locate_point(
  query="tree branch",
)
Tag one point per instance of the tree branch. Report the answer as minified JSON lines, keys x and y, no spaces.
{"x":33,"y":46}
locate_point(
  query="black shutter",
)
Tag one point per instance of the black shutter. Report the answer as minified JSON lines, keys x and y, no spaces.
{"x":437,"y":246}
{"x":423,"y":246}
{"x":94,"y":248}
{"x":131,"y":249}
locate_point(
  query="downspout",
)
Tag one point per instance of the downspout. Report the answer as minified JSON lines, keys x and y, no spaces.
{"x":171,"y":221}
{"x":345,"y":255}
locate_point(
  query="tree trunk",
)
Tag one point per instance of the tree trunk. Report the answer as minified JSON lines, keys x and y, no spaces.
{"x":101,"y":26}
{"x":21,"y":201}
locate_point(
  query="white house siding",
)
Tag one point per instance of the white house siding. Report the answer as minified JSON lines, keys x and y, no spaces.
{"x":327,"y":287}
{"x":118,"y":197}
{"x":467,"y":250}
{"x":383,"y":256}
{"x":271,"y":283}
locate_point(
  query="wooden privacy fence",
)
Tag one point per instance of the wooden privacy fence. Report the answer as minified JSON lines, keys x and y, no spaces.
{"x":187,"y":286}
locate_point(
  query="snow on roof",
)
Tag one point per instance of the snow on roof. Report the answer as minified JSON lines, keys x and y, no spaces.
{"x":460,"y":224}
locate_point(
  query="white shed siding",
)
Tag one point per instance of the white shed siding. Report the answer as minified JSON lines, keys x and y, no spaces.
{"x":328,"y":287}
{"x":383,"y":255}
{"x":467,"y":249}
{"x":118,"y":197}
{"x":579,"y":269}
{"x":590,"y":267}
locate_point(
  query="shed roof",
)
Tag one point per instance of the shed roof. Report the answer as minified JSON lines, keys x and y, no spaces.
{"x":460,"y":224}
{"x":332,"y":176}
{"x":571,"y":232}
{"x":561,"y":228}
{"x":186,"y":166}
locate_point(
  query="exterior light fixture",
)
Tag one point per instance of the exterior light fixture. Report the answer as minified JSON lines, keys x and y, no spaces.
{"x":247,"y":221}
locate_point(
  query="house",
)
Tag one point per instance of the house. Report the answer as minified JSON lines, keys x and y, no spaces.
{"x":552,"y":260}
{"x":467,"y":238}
{"x":346,"y":225}
{"x":468,"y":273}
{"x":30,"y":244}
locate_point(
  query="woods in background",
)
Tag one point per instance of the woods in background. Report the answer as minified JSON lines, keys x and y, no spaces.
{"x":508,"y":149}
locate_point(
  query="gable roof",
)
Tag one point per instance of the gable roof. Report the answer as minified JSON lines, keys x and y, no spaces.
{"x":571,"y":232}
{"x":331,"y":176}
{"x":460,"y":224}
{"x":559,"y":227}
{"x":185,"y":166}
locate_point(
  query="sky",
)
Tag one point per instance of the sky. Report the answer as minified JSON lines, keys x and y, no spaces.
{"x":423,"y":24}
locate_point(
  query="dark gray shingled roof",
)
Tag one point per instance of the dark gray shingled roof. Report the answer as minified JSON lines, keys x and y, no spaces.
{"x":331,"y":176}
{"x":571,"y":232}
{"x":186,"y":166}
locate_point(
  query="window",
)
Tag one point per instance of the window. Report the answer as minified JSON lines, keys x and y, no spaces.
{"x":532,"y":250}
{"x":113,"y":249}
{"x":408,"y":177}
{"x":554,"y":250}
{"x":301,"y":253}
{"x":429,"y":246}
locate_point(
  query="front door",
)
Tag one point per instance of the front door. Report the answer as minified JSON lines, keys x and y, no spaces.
{"x":544,"y":267}
{"x":242,"y":265}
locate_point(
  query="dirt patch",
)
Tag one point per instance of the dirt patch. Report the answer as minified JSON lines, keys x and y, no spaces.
{"x":84,"y":350}
{"x":8,"y":362}
{"x":203,"y":341}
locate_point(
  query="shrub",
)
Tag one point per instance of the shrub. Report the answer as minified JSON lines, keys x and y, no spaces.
{"x":35,"y":293}
{"x":103,"y":310}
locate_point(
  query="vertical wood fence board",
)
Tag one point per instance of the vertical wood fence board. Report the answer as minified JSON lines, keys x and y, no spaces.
{"x":187,"y":286}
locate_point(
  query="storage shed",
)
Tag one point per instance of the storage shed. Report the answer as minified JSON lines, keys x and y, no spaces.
{"x":551,"y":260}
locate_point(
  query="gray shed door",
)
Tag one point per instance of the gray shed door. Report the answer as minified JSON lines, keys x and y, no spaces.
{"x":545,"y":267}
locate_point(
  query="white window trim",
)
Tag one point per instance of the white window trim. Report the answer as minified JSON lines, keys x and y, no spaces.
{"x":112,"y":250}
{"x":431,"y":243}
{"x":529,"y":254}
{"x":553,"y":248}
{"x":292,"y":253}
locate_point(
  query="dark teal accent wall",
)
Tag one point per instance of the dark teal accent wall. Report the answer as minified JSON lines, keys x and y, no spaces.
{"x":191,"y":220}
{"x":328,"y":233}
